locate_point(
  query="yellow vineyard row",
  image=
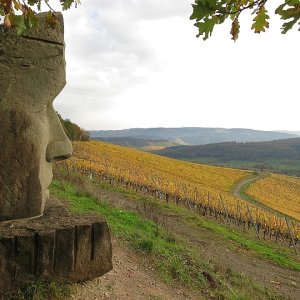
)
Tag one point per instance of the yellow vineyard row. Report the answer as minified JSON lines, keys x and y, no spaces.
{"x":279,"y":192}
{"x":200,"y":184}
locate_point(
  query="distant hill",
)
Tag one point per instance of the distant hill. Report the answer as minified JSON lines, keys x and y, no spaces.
{"x":280,"y":149}
{"x":193,"y":135}
{"x":280,"y":156}
{"x":138,"y":143}
{"x":290,"y":132}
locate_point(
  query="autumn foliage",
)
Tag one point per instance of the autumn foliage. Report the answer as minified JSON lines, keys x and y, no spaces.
{"x":209,"y":13}
{"x":207,"y":188}
{"x":73,"y":131}
{"x":21,"y":14}
{"x":280,"y":192}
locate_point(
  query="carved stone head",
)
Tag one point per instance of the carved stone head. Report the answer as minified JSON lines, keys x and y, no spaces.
{"x":32,"y":74}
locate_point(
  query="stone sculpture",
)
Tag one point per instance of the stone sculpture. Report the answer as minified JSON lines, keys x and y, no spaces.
{"x":32,"y":73}
{"x":59,"y":245}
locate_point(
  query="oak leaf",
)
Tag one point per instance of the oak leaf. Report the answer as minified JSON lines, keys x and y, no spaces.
{"x":260,"y":21}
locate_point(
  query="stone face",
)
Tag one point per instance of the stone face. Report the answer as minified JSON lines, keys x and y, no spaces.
{"x":32,"y":74}
{"x":58,"y":246}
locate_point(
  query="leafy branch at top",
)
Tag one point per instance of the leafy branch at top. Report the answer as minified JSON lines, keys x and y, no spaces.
{"x":20,"y":14}
{"x":209,"y":13}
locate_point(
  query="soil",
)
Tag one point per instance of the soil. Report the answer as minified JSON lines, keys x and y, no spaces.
{"x":242,"y":183}
{"x":131,"y":279}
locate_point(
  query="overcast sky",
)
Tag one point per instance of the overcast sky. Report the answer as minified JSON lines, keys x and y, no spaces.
{"x":138,"y":63}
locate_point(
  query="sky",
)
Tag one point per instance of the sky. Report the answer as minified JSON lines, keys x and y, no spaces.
{"x":138,"y":63}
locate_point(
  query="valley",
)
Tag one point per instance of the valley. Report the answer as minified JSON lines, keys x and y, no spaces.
{"x":169,"y":252}
{"x":218,"y":244}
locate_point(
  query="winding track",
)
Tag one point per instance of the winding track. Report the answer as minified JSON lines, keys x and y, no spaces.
{"x":238,"y":192}
{"x":245,"y":182}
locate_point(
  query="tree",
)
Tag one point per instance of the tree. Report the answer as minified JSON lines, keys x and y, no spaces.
{"x":209,"y":13}
{"x":73,"y":131}
{"x":20,"y":14}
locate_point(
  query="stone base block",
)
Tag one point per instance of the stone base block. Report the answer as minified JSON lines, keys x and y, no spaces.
{"x":59,"y":246}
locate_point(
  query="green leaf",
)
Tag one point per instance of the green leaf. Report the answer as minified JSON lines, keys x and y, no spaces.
{"x":66,"y":4}
{"x":32,"y":20}
{"x":288,"y":25}
{"x":33,"y":2}
{"x":19,"y":23}
{"x":292,"y":2}
{"x":206,"y":27}
{"x":201,"y":10}
{"x":260,"y":21}
{"x":291,"y":13}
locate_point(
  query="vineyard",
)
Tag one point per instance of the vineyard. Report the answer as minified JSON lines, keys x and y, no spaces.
{"x":279,"y":192}
{"x":204,"y":189}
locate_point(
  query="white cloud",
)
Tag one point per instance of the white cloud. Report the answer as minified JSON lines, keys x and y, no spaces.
{"x":137,"y":63}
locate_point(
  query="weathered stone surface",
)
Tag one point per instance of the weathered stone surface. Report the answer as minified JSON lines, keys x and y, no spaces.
{"x":32,"y":73}
{"x":58,"y":246}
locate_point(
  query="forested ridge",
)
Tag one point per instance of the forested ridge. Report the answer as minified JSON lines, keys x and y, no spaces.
{"x":279,"y":149}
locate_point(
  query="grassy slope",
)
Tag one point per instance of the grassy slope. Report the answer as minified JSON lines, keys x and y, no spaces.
{"x":168,"y":175}
{"x":168,"y":255}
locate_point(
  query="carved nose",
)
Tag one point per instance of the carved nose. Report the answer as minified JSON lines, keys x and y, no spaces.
{"x":59,"y":147}
{"x":59,"y":150}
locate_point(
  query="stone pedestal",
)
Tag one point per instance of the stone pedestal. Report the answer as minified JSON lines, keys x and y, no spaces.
{"x":59,"y":246}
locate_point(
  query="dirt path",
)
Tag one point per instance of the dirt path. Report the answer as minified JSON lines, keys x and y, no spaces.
{"x":133,"y":278}
{"x":242,"y":184}
{"x":246,"y":182}
{"x":222,"y":254}
{"x":238,"y":192}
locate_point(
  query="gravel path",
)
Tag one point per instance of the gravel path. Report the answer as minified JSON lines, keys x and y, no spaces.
{"x":245,"y":182}
{"x":133,"y":278}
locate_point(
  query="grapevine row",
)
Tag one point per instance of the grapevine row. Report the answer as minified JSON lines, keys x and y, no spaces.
{"x":205,"y":190}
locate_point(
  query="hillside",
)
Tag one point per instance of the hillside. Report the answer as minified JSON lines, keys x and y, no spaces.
{"x":205,"y":187}
{"x":138,"y":143}
{"x":193,"y":135}
{"x":279,"y":149}
{"x":166,"y":252}
{"x":279,"y":192}
{"x":153,"y":171}
{"x":185,"y":223}
{"x":280,"y":155}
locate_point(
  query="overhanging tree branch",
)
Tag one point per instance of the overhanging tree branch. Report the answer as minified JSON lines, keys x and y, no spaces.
{"x":209,"y":13}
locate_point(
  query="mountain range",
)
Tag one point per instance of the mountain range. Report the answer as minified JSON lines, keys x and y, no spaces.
{"x":140,"y":137}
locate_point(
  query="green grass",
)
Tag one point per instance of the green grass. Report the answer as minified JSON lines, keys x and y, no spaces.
{"x":279,"y":257}
{"x":38,"y":291}
{"x":274,"y":253}
{"x":142,"y":234}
